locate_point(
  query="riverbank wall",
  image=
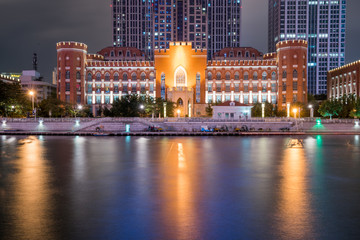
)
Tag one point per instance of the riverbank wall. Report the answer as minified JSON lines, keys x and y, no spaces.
{"x":119,"y":126}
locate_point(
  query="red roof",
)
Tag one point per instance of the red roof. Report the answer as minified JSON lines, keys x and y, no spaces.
{"x":232,"y":103}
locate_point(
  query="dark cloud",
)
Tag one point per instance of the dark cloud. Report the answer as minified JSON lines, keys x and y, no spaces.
{"x":37,"y":25}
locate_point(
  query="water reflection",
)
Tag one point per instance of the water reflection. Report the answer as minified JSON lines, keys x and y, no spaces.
{"x":294,"y":206}
{"x":32,"y":216}
{"x":180,"y":190}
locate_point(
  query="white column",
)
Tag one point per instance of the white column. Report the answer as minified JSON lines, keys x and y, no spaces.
{"x":241,"y":97}
{"x":269,"y":96}
{"x":260,"y":97}
{"x":232,"y":96}
{"x":111,"y":97}
{"x":250,"y":97}
{"x":223,"y":96}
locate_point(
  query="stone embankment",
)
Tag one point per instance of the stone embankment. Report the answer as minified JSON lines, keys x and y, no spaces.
{"x":174,"y":126}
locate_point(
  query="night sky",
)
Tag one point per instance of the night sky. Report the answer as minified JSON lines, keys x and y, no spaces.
{"x":37,"y":25}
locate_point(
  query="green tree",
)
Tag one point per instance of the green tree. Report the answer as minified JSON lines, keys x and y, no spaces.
{"x":209,"y":110}
{"x":13,"y":100}
{"x":330,"y":108}
{"x":51,"y":107}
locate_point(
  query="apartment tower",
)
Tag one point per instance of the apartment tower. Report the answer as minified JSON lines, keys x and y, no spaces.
{"x":322,"y":24}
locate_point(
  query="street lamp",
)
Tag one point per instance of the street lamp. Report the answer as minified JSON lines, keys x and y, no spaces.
{"x":295,"y":111}
{"x":311,"y":111}
{"x":79,"y":107}
{"x":178,"y":112}
{"x":31,"y":93}
{"x":141,"y":107}
{"x":263,"y":110}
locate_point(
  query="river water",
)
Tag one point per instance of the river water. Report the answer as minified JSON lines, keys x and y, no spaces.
{"x":179,"y":187}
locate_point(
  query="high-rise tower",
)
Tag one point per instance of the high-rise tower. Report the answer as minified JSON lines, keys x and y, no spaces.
{"x":224,"y":24}
{"x":151,"y":24}
{"x":322,"y":24}
{"x":132,"y":24}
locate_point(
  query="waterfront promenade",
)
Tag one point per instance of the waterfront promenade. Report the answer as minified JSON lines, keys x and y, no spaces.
{"x":176,"y":126}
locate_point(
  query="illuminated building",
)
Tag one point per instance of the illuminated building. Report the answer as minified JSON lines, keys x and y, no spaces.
{"x":322,"y":24}
{"x":183,"y":75}
{"x":344,"y":81}
{"x":8,"y":79}
{"x":32,"y":81}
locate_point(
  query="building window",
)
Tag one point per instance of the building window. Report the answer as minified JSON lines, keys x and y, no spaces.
{"x":180,"y":78}
{"x":107,"y":99}
{"x":210,"y":87}
{"x":255,"y":76}
{"x":246,"y":87}
{"x":133,"y":88}
{"x":255,"y":88}
{"x":284,"y":86}
{"x":294,"y":98}
{"x":273,"y":76}
{"x":198,"y":92}
{"x":237,"y":76}
{"x":125,"y":77}
{"x":116,"y":88}
{"x":98,"y":88}
{"x":142,"y":77}
{"x":227,"y":87}
{"x":218,"y":87}
{"x":295,"y":86}
{"x":78,"y":98}
{"x":89,"y":77}
{"x":89,"y":100}
{"x":246,"y":76}
{"x":227,"y":76}
{"x":125,"y":88}
{"x":133,"y":77}
{"x":209,"y":76}
{"x":67,"y":86}
{"x":163,"y":85}
{"x":89,"y":88}
{"x":67,"y":98}
{"x":180,"y":102}
{"x":116,"y":77}
{"x":264,"y":87}
{"x":107,"y":88}
{"x":284,"y":75}
{"x":98,"y":99}
{"x":246,"y":99}
{"x":59,"y":75}
{"x":295,"y":74}
{"x":98,"y":77}
{"x":273,"y":87}
{"x":67,"y":74}
{"x":107,"y":77}
{"x":218,"y":76}
{"x":78,"y":75}
{"x":264,"y":76}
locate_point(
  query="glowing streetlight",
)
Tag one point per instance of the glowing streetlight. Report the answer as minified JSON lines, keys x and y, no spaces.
{"x":32,"y":93}
{"x":80,"y":107}
{"x":311,"y":111}
{"x":295,"y":111}
{"x":178,"y":112}
{"x":142,"y":106}
{"x":263,"y":110}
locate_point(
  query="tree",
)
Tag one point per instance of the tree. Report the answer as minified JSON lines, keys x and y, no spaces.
{"x":330,"y":108}
{"x":51,"y":107}
{"x":13,"y":100}
{"x":209,"y":110}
